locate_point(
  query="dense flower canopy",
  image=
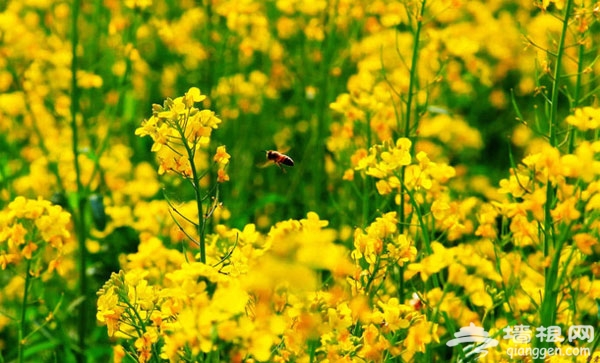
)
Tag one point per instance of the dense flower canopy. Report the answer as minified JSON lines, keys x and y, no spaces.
{"x":445,"y":178}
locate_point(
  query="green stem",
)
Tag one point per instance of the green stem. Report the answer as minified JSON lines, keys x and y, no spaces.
{"x":372,"y":277}
{"x":23,"y":313}
{"x":409,"y":101}
{"x":548,"y":305}
{"x":548,"y":232}
{"x":426,"y":236}
{"x":197,"y":192}
{"x":400,"y":281}
{"x":413,"y":70}
{"x":556,"y":81}
{"x":210,"y":72}
{"x":326,"y":86}
{"x":577,"y":93}
{"x":580,"y":70}
{"x":550,"y":244}
{"x":367,"y":182}
{"x":201,"y":219}
{"x":80,"y":211}
{"x":403,"y":190}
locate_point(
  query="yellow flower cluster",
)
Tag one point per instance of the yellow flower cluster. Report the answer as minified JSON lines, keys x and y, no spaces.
{"x":573,"y":177}
{"x":392,"y":164}
{"x":180,"y":131}
{"x":240,"y":94}
{"x":260,"y":297}
{"x":572,"y":181}
{"x":33,"y":228}
{"x":433,"y":247}
{"x":36,"y":254}
{"x":249,"y":27}
{"x":379,"y":249}
{"x":387,"y":248}
{"x":453,"y":132}
{"x":193,"y":308}
{"x":584,"y":119}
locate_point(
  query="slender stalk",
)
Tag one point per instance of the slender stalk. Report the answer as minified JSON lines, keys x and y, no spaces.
{"x":577,"y":93}
{"x":210,"y":71}
{"x":79,"y":217}
{"x":425,"y":233}
{"x":550,"y":244}
{"x":367,"y":184}
{"x":550,"y":191}
{"x":403,"y":191}
{"x":557,"y":75}
{"x":413,"y":70}
{"x":23,"y":313}
{"x":198,"y":194}
{"x":409,"y":100}
{"x":191,"y":154}
{"x":325,"y":87}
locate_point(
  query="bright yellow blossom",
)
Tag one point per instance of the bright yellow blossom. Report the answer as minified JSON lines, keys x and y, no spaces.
{"x":586,"y":118}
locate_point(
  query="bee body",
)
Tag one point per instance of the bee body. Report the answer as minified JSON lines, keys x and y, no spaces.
{"x":279,"y":158}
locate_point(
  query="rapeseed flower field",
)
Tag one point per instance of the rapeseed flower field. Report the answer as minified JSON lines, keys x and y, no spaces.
{"x":299,"y":181}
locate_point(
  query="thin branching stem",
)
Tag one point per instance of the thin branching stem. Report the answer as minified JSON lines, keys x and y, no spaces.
{"x":557,"y":70}
{"x":552,"y":244}
{"x":22,"y":339}
{"x":79,"y":218}
{"x":413,"y":71}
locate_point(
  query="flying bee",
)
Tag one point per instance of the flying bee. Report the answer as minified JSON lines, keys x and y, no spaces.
{"x":278,"y":159}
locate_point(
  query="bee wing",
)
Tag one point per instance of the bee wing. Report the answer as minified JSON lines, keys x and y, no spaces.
{"x":265,"y":164}
{"x":283,"y":149}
